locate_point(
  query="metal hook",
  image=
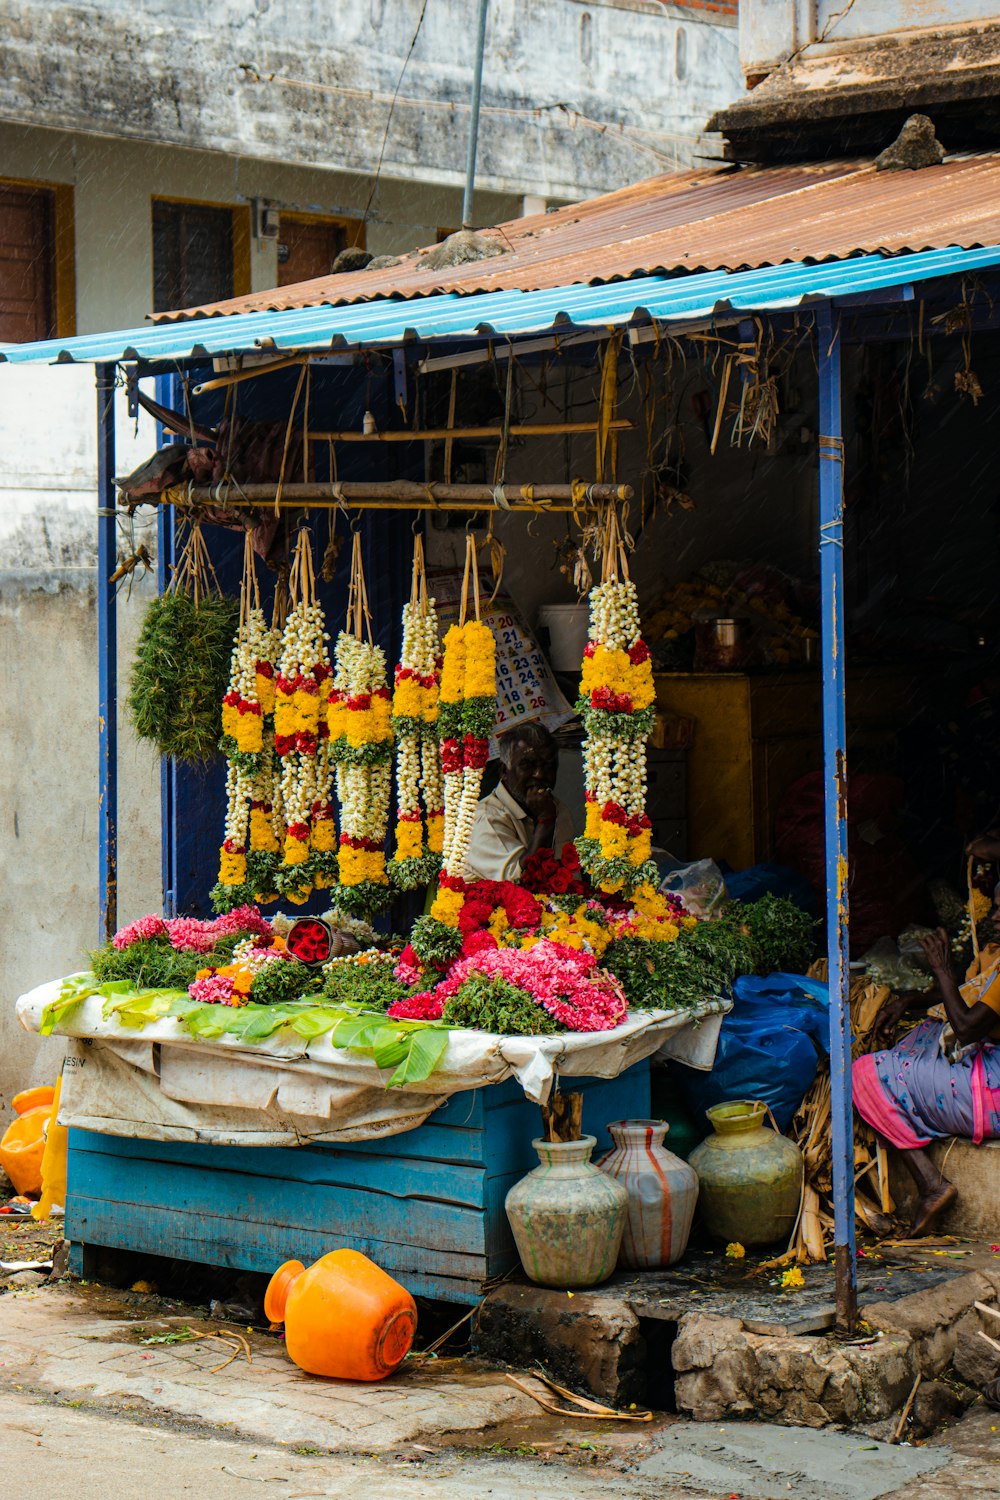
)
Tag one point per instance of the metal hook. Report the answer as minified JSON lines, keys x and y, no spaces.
{"x":416,"y":525}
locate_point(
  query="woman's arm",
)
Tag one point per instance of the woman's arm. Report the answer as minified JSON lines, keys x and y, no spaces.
{"x":970,"y":1023}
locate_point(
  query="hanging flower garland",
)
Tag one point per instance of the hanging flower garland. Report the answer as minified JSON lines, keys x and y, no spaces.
{"x":302,"y":687}
{"x":360,"y":729}
{"x":248,"y":857}
{"x":419,"y":791}
{"x":467,"y":716}
{"x":616,"y":702}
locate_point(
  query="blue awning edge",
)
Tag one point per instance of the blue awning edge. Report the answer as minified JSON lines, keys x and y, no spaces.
{"x":448,"y":316}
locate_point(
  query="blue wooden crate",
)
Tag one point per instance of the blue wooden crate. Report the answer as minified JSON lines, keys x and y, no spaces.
{"x":427,"y":1205}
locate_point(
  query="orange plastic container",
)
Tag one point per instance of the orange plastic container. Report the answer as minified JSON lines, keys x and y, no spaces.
{"x":23,"y":1142}
{"x":344,"y":1317}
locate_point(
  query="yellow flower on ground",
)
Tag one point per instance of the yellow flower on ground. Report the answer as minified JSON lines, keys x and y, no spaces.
{"x":735,"y":1251}
{"x":792,"y":1279}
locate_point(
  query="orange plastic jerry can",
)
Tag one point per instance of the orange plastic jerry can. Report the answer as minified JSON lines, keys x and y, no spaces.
{"x":23,"y":1141}
{"x":344,"y":1317}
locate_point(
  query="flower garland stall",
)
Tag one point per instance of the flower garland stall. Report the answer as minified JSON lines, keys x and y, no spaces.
{"x":301,"y":736}
{"x":616,"y":704}
{"x":360,"y":729}
{"x":249,"y":857}
{"x":419,"y":787}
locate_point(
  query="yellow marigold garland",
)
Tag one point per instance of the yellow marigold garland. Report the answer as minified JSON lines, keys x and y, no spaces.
{"x":302,"y":687}
{"x":248,"y":857}
{"x":419,"y":794}
{"x":361,"y":740}
{"x":616,"y":702}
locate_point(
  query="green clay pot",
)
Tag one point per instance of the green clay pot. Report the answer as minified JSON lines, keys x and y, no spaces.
{"x":751,"y":1178}
{"x":567,"y":1216}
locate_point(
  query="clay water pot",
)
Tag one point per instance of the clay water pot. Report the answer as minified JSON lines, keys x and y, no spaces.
{"x":344,"y":1317}
{"x":567,"y":1217}
{"x":751,"y":1177}
{"x":662,"y":1192}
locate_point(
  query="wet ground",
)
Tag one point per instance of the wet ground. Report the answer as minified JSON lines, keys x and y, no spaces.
{"x":96,"y":1380}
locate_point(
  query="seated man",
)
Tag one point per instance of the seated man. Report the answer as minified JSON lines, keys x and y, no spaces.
{"x":943,"y":1078}
{"x":521,"y":816}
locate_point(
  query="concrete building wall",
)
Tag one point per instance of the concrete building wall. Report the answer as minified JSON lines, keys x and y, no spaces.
{"x":772,"y":30}
{"x":578,"y":97}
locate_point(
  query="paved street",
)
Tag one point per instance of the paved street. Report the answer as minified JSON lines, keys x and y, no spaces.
{"x":95,"y":1382}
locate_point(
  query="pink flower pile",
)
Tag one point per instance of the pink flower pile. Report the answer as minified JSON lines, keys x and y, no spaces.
{"x":215,"y":989}
{"x":565,"y":982}
{"x":146,"y":927}
{"x":190,"y":934}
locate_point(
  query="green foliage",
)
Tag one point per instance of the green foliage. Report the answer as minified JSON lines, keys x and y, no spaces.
{"x":666,"y":976}
{"x":370,"y":984}
{"x":282,"y":980}
{"x":150,"y":964}
{"x":494,"y":1004}
{"x":418,"y":870}
{"x":181,"y":672}
{"x":783,"y":936}
{"x":412,"y":1049}
{"x":434,"y":942}
{"x":363,"y":899}
{"x":759,"y":937}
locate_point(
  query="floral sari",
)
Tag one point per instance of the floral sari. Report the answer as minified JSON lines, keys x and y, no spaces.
{"x":926,"y":1086}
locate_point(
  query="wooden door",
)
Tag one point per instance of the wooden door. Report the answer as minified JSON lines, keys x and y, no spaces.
{"x":307,"y":248}
{"x":27,"y":264}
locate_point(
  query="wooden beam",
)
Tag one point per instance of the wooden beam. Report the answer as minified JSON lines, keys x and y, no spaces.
{"x":457,"y":434}
{"x":407,"y":494}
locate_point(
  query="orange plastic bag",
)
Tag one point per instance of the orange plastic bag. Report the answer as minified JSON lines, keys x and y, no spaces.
{"x":344,"y":1317}
{"x":54,"y":1162}
{"x":23,"y":1142}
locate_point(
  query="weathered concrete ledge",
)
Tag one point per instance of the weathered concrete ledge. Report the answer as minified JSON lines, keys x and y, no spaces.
{"x":716,"y":1342}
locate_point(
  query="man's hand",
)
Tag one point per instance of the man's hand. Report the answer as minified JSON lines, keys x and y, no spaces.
{"x":985,"y":848}
{"x":540,"y":804}
{"x":887,"y":1021}
{"x":938,"y":950}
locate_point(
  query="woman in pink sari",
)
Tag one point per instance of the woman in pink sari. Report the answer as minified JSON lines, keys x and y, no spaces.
{"x":943,"y":1078}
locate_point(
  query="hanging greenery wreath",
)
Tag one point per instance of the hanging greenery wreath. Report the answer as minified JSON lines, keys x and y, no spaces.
{"x":181,"y":663}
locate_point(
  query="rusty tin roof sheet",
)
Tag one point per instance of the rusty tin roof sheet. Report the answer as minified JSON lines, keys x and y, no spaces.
{"x":722,"y":218}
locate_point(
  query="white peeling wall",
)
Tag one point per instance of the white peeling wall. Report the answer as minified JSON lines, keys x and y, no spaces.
{"x":48,"y":686}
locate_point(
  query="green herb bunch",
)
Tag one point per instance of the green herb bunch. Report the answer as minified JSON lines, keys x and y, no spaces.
{"x":369,"y":984}
{"x":759,"y":937}
{"x":435,"y":943}
{"x":783,"y":937}
{"x":150,"y":964}
{"x":283,"y":979}
{"x":493,"y":1004}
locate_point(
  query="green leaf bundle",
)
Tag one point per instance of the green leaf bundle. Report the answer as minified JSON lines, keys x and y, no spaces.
{"x":491,"y":1003}
{"x":181,"y":672}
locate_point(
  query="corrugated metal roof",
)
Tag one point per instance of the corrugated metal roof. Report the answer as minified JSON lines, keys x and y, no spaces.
{"x":721,"y":218}
{"x":713,"y":295}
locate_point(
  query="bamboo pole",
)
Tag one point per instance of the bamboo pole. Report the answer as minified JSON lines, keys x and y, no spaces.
{"x":457,"y":434}
{"x":235,"y":377}
{"x":406,"y":494}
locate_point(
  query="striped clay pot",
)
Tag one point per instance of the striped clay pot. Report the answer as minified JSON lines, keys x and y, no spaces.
{"x":567,"y":1217}
{"x":662,"y":1192}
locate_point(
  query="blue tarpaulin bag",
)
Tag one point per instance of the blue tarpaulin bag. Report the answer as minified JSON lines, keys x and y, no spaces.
{"x":769,"y":1046}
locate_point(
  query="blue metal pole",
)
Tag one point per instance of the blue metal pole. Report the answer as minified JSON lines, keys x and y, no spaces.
{"x":166,"y":392}
{"x":107,"y":651}
{"x":831,"y":563}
